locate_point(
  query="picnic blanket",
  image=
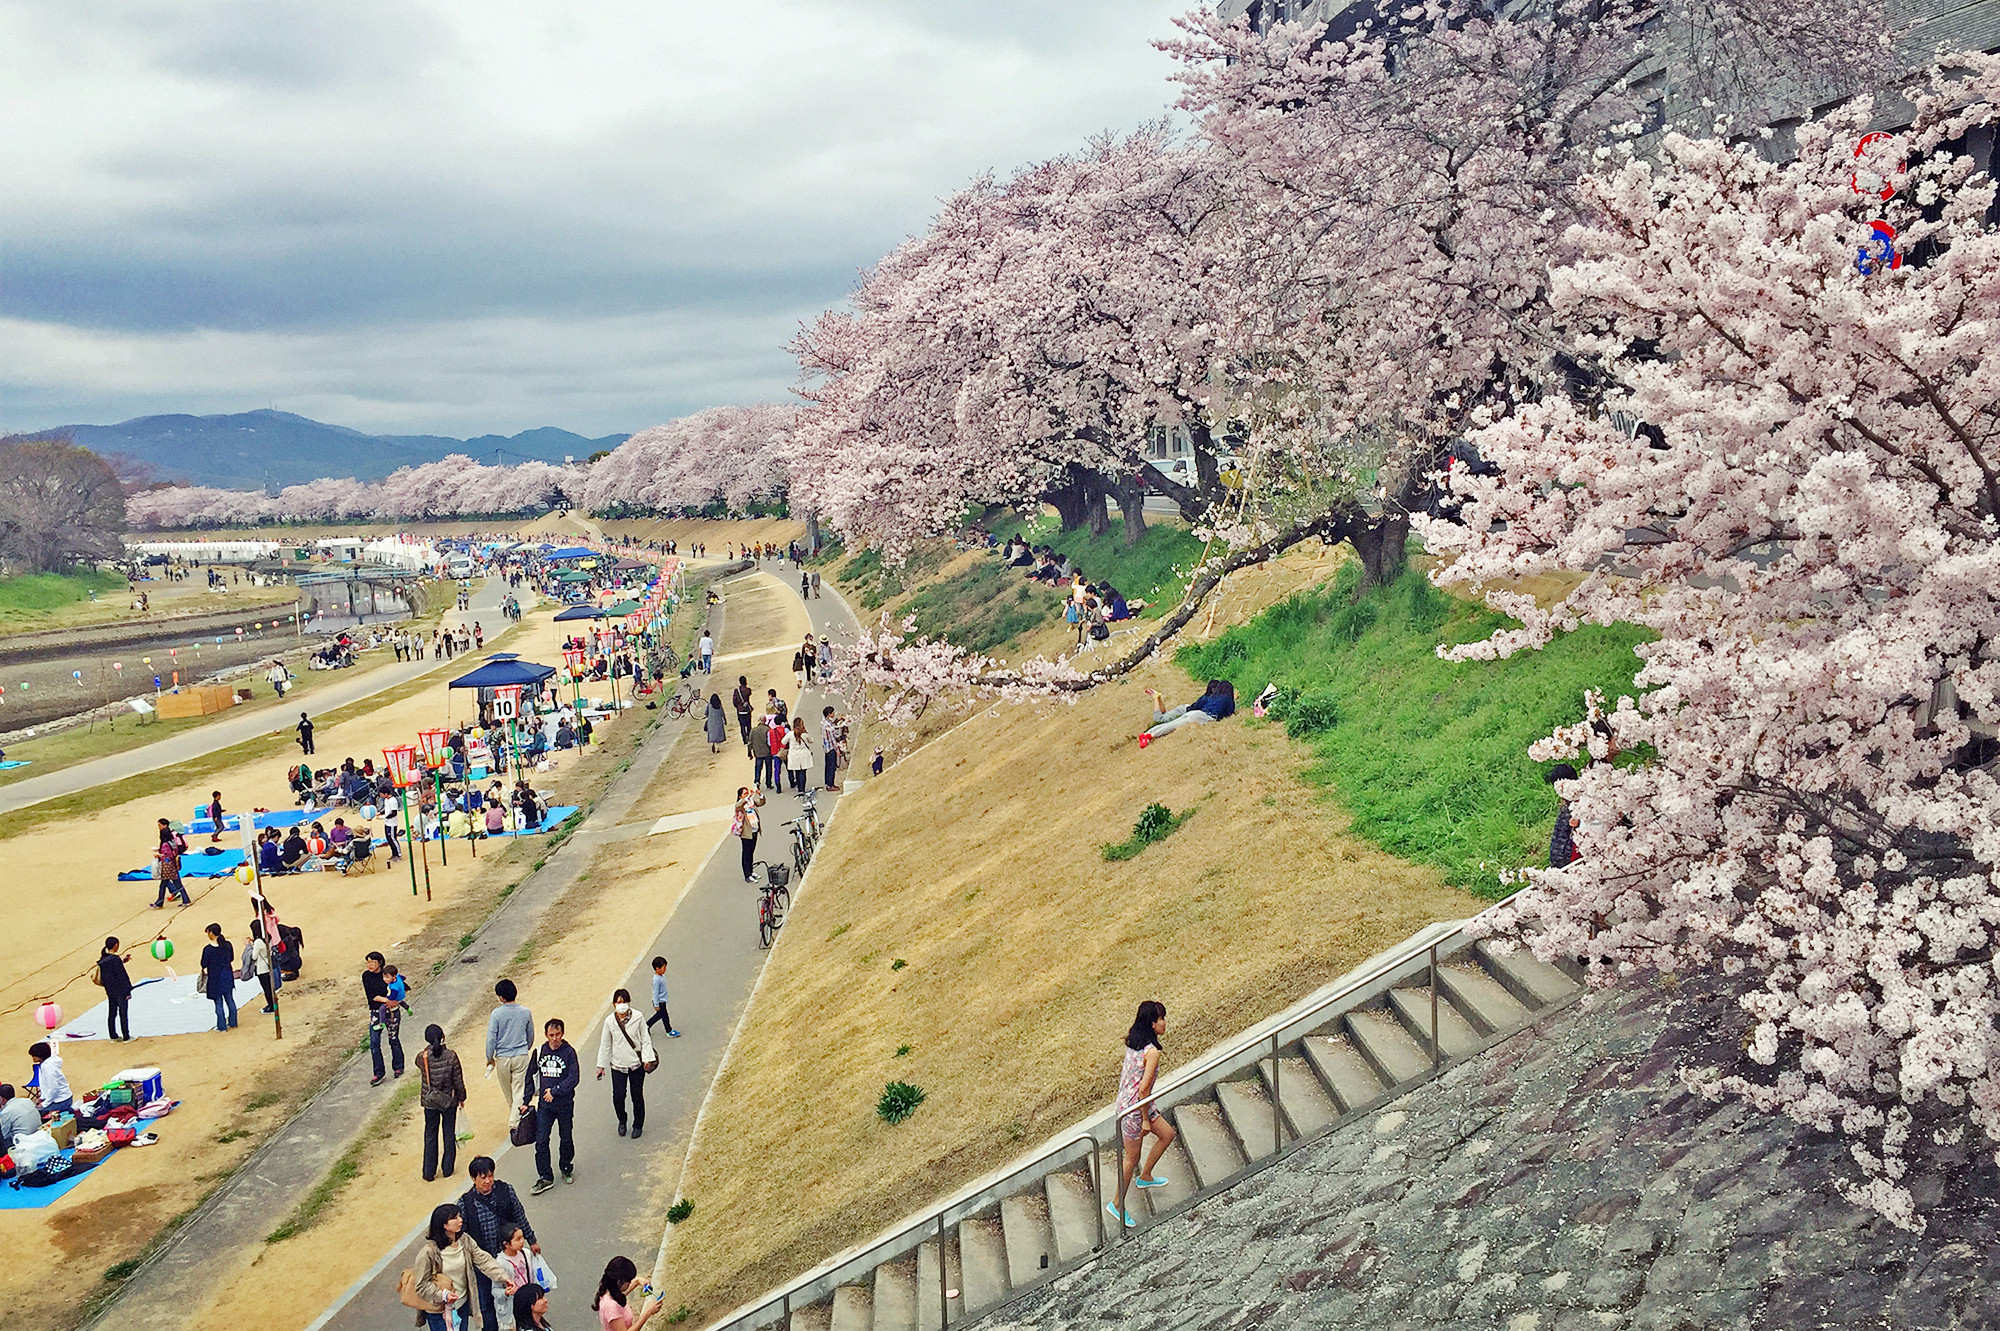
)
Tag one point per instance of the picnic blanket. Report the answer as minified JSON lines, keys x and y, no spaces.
{"x":199,"y":825}
{"x":34,"y":1199}
{"x":166,"y":1005}
{"x":551,"y":819}
{"x":11,"y":763}
{"x":200,"y":864}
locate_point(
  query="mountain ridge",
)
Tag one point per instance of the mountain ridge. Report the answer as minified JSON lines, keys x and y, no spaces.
{"x":250,"y":450}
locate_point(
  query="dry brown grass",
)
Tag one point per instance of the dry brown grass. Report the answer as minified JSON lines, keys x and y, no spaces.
{"x":977,"y":861}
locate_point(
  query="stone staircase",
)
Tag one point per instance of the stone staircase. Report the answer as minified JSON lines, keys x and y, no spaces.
{"x":1439,"y":998}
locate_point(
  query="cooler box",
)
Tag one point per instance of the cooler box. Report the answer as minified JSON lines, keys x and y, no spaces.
{"x":146,"y":1084}
{"x":115,"y":1094}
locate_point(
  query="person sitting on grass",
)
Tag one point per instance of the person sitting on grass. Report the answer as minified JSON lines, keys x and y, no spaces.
{"x":295,"y":852}
{"x":1215,"y":703}
{"x":270,"y":856}
{"x":1115,"y":607}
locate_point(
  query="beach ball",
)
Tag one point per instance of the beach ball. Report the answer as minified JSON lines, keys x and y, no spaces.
{"x":244,"y":873}
{"x":162,"y":949}
{"x":50,"y":1015}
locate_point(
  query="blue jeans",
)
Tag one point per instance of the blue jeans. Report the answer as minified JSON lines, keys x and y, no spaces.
{"x":222,"y":993}
{"x":392,"y":1022}
{"x":547,"y":1115}
{"x":452,"y":1321}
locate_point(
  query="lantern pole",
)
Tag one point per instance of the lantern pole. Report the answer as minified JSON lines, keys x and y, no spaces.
{"x":246,"y":830}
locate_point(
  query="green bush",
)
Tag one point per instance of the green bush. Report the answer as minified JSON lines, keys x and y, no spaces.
{"x":899,"y":1101}
{"x":1156,"y":823}
{"x":1430,"y":756}
{"x":679,"y":1211}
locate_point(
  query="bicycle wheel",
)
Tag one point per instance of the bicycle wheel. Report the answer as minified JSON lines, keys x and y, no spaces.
{"x":777,"y":917}
{"x":784,"y":896}
{"x":765,"y":927}
{"x":799,"y":860}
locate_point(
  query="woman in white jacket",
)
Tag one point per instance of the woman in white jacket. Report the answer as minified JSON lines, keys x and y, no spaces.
{"x":626,"y":1048}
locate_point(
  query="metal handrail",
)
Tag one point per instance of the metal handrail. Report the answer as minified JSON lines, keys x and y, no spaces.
{"x":934,"y":1220}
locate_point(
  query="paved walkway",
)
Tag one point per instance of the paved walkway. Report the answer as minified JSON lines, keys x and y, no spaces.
{"x":713,"y":960}
{"x":220,"y":734}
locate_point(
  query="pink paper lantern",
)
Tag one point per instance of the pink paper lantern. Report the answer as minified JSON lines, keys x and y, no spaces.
{"x":50,"y":1015}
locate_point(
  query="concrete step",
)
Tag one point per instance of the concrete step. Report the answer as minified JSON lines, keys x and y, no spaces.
{"x":1535,"y":983}
{"x":1031,"y":1240}
{"x":853,"y":1308}
{"x":1247,"y":1109}
{"x":818,"y":1317}
{"x":1351,"y":1077}
{"x":1209,"y":1143}
{"x":927,"y":1285}
{"x":1389,"y":1049}
{"x":896,"y":1296}
{"x":983,"y":1248}
{"x":1454,"y":1032}
{"x":1177,"y":1168}
{"x":1482,"y":998}
{"x":1072,"y":1212}
{"x":1308,"y":1107}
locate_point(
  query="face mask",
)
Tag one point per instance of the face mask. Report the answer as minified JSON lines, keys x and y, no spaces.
{"x":621,"y":1008}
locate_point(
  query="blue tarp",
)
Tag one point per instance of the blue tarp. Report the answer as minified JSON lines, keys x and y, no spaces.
{"x":580,"y":612}
{"x":571,"y":552}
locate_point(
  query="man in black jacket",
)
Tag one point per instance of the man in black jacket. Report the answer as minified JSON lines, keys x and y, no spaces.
{"x":117,"y":982}
{"x":491,"y":1210}
{"x":553,"y":1074}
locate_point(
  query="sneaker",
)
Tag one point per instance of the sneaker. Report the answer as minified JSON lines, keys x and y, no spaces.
{"x":673,"y":1035}
{"x":374,"y":1081}
{"x":569,"y":1176}
{"x":399,"y":1072}
{"x":621,"y":1129}
{"x":1125,"y":1216}
{"x":1158,"y":1181}
{"x":636,"y":1132}
{"x":542,"y":1185}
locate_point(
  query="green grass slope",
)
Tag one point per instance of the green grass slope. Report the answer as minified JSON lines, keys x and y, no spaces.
{"x":1430,"y":756}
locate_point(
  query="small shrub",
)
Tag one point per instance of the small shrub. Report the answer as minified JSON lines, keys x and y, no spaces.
{"x":120,"y":1270}
{"x":899,"y":1101}
{"x":902,"y":1050}
{"x":681,"y":1314}
{"x":679,"y":1211}
{"x":1312,"y":713}
{"x":898,"y":964}
{"x":1156,"y":823}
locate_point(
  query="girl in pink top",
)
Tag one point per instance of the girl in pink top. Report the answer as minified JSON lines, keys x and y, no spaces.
{"x":619,"y":1280}
{"x":1135,"y":1083}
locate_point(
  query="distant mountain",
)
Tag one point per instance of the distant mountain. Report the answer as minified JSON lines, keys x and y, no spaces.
{"x":252,"y":449}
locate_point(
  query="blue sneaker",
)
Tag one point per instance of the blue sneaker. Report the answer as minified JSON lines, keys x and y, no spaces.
{"x":1151,"y":1182}
{"x":1125,"y":1216}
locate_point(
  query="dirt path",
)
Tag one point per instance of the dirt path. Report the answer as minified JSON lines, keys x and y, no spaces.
{"x":706,"y":930}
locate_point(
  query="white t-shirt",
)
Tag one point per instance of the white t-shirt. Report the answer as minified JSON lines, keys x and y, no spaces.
{"x":707,"y":645}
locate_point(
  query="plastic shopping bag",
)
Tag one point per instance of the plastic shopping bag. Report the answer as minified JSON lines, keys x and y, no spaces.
{"x":540,"y":1272}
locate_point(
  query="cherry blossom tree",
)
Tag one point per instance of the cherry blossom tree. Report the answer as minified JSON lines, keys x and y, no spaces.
{"x":1812,"y":528}
{"x":733,"y":456}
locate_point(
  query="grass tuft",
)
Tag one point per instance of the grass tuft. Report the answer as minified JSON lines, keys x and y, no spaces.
{"x":120,"y":1270}
{"x":679,"y":1211}
{"x":899,"y":1101}
{"x":1156,"y":823}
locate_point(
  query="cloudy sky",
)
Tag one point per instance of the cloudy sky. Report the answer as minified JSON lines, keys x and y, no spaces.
{"x":461,"y":216}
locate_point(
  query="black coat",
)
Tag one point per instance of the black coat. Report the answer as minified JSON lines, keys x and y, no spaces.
{"x":488,"y":1218}
{"x":117,"y":980}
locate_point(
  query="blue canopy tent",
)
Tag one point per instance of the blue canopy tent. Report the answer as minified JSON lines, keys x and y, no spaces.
{"x":571,"y":552}
{"x":580,"y":612}
{"x":504,"y":671}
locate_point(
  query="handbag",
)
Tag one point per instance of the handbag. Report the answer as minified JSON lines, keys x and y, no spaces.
{"x":201,"y":982}
{"x":523,"y":1131}
{"x":645,"y":1064}
{"x":406,"y":1290}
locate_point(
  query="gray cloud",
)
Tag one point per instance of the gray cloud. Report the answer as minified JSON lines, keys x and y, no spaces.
{"x":459,"y":216}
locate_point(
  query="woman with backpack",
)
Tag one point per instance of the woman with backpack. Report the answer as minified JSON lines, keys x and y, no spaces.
{"x":626,"y":1048}
{"x":441,"y":1078}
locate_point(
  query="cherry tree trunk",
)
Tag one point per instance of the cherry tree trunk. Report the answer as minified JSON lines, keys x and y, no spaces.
{"x":1069,"y":501}
{"x":1130,"y":491}
{"x":1095,"y":510}
{"x":1383,"y":545}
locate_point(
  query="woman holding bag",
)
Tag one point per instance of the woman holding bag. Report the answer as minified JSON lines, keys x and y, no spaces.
{"x":744,"y":827}
{"x":443,"y":1274}
{"x":443,"y":1081}
{"x":626,"y":1048}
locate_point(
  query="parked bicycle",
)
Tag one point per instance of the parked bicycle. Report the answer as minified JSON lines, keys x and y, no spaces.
{"x":684,"y":698}
{"x":773,"y":901}
{"x":803,"y":843}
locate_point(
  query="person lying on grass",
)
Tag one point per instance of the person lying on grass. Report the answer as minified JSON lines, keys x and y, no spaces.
{"x":1215,"y":703}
